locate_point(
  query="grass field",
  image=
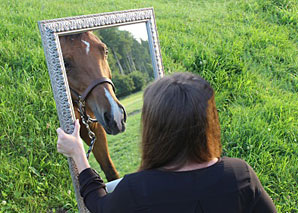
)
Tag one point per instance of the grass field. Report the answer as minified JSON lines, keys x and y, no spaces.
{"x":247,"y":50}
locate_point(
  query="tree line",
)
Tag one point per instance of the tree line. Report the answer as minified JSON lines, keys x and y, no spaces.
{"x":129,"y":60}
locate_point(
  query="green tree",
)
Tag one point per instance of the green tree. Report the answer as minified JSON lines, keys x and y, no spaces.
{"x":138,"y":79}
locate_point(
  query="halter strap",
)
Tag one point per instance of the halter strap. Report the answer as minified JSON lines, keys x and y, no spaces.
{"x":82,"y":98}
{"x":94,"y":84}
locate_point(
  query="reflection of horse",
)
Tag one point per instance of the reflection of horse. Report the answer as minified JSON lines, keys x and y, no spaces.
{"x":88,"y":72}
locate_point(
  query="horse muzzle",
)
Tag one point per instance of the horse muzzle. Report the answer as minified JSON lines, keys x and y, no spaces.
{"x":112,"y":121}
{"x":115,"y":123}
{"x":109,"y":113}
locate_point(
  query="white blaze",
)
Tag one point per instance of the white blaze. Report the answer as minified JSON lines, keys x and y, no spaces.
{"x":115,"y":109}
{"x":87,"y":46}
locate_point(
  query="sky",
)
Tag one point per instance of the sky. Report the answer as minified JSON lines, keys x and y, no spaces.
{"x":138,"y":31}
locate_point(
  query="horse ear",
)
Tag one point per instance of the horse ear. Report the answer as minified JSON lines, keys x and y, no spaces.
{"x":88,"y":33}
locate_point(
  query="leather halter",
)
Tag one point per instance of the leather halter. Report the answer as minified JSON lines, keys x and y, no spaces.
{"x":94,"y":84}
{"x":82,"y":98}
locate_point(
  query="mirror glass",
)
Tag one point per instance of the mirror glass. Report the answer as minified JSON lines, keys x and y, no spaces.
{"x":122,"y":53}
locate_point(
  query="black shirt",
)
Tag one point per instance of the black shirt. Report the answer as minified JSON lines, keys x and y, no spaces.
{"x":230,"y":185}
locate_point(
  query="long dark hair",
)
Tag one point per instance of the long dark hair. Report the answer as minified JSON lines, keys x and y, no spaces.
{"x":179,"y":122}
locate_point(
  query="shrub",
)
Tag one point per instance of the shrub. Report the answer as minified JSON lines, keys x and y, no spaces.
{"x":138,"y":80}
{"x":124,"y":85}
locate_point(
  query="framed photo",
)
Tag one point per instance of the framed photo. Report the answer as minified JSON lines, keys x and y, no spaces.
{"x":101,"y":61}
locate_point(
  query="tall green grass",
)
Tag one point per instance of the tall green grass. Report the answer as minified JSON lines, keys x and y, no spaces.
{"x":247,"y":50}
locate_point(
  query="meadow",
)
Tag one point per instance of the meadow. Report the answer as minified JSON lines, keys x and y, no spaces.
{"x":247,"y":50}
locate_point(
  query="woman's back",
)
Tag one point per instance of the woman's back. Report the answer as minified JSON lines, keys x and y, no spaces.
{"x":180,"y":131}
{"x":230,"y":185}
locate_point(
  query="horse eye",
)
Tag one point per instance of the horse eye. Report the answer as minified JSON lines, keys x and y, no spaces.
{"x":106,"y":52}
{"x":67,"y":65}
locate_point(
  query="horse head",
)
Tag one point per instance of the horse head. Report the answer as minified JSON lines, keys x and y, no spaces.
{"x":85,"y":60}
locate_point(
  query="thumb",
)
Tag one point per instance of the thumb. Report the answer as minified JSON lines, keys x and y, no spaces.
{"x":76,"y":131}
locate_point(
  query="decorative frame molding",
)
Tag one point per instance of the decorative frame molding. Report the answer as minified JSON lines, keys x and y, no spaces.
{"x":50,"y":31}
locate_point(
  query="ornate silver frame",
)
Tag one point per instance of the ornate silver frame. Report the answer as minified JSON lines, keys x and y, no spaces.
{"x":50,"y":31}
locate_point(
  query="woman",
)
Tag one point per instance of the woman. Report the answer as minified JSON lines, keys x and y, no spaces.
{"x":181,"y":168}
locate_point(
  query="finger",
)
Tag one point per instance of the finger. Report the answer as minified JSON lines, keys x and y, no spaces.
{"x":60,"y":132}
{"x":76,"y":131}
{"x":59,"y":143}
{"x":59,"y":148}
{"x":61,"y":151}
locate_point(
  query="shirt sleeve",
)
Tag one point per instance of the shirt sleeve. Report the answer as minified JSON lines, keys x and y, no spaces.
{"x":92,"y":188}
{"x":96,"y":199}
{"x":263,"y":203}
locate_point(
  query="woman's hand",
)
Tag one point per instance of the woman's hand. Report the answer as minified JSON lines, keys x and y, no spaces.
{"x":71,"y":145}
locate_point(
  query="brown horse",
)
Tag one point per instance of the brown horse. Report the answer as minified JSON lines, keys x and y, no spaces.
{"x":85,"y":59}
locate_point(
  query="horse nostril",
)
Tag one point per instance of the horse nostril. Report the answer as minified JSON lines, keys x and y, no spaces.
{"x":107,"y":117}
{"x":110,"y":120}
{"x":114,"y":124}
